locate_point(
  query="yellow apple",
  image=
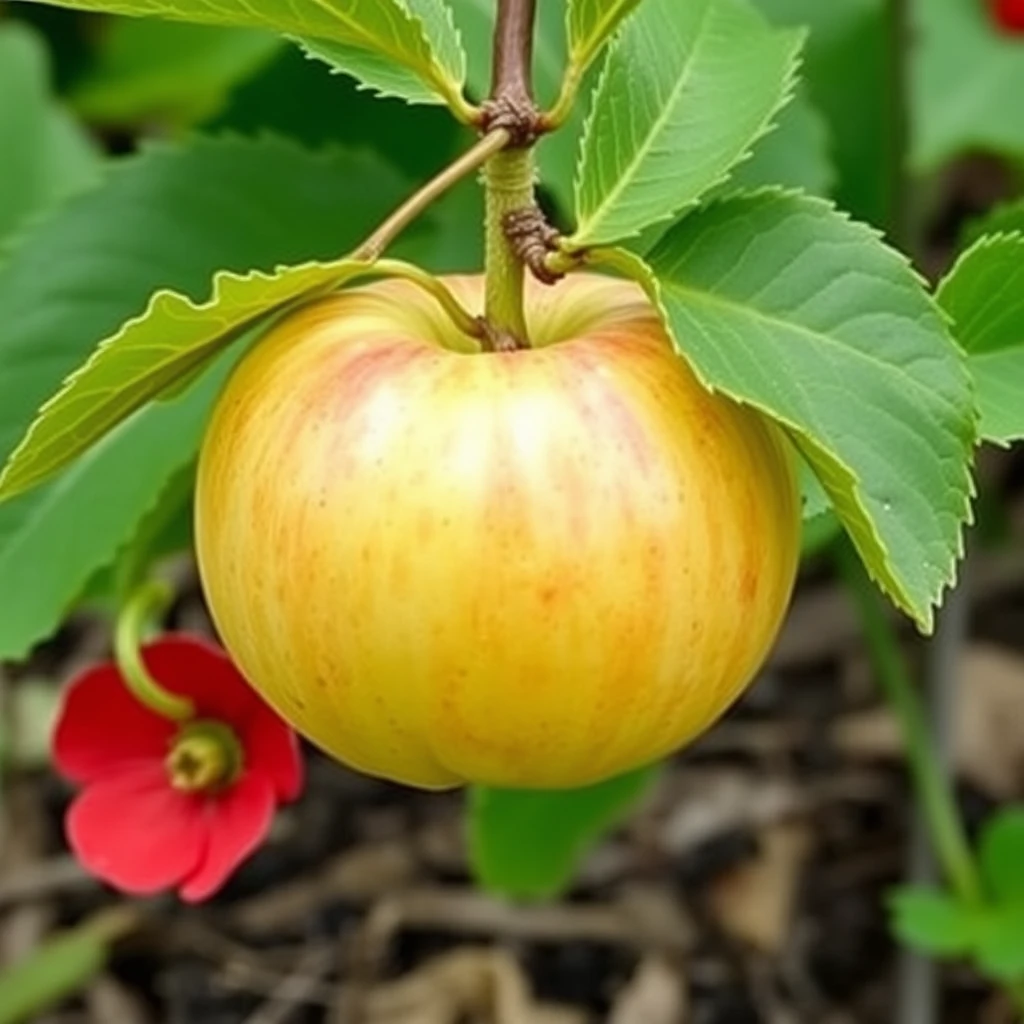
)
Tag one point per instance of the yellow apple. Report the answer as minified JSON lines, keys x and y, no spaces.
{"x":533,"y":569}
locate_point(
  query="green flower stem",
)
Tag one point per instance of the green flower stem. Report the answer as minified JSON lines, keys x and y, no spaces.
{"x":509,"y":185}
{"x":63,"y":965}
{"x":146,"y":604}
{"x":937,"y":801}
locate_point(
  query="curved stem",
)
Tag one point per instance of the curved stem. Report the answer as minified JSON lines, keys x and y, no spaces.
{"x":937,"y":800}
{"x":459,"y":315}
{"x":473,"y":159}
{"x":146,"y":604}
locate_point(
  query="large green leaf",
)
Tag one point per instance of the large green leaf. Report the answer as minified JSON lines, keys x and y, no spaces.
{"x":785,"y":305}
{"x":379,"y":42}
{"x":527,"y":843}
{"x":984,"y":296}
{"x":173,"y":339}
{"x":82,"y":521}
{"x":591,"y":24}
{"x":45,"y":156}
{"x":966,"y":84}
{"x":172,"y":72}
{"x":170,"y":218}
{"x":302,"y":99}
{"x":685,"y":92}
{"x":848,"y":75}
{"x":795,"y":154}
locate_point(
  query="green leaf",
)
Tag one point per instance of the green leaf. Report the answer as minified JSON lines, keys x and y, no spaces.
{"x":379,"y":71}
{"x":966,"y":82}
{"x":46,"y":158}
{"x":933,"y":922}
{"x":55,"y":971}
{"x":172,"y":339}
{"x":169,"y":219}
{"x":301,"y":99}
{"x":1001,"y":853}
{"x":527,"y":843}
{"x":1000,"y":945}
{"x":147,"y":69}
{"x":984,"y":296}
{"x":848,"y":75}
{"x":685,"y":92}
{"x":795,"y":154}
{"x":783,"y":304}
{"x":82,"y":521}
{"x":378,"y":41}
{"x":1003,"y":220}
{"x":591,"y":23}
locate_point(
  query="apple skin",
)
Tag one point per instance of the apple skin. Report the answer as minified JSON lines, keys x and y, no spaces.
{"x":533,"y":569}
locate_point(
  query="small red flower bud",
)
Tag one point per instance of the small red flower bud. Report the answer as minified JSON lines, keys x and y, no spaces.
{"x":1009,"y":15}
{"x":165,"y":805}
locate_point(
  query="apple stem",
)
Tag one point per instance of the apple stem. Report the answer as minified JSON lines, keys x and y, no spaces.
{"x":508,"y":182}
{"x":509,"y":175}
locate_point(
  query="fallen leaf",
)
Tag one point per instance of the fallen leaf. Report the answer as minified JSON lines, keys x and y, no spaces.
{"x":754,"y":902}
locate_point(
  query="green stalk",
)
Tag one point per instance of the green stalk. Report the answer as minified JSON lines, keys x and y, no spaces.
{"x":146,"y":604}
{"x":59,"y":968}
{"x":509,"y":184}
{"x":937,"y":800}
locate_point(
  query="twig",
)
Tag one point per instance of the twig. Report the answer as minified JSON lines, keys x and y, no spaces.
{"x":473,"y":159}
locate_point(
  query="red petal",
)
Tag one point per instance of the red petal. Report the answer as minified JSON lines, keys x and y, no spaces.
{"x":272,"y":750}
{"x":102,"y":728}
{"x":194,"y":668}
{"x":137,"y":833}
{"x":237,"y":823}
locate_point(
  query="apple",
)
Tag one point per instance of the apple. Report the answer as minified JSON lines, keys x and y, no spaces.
{"x":536,"y":568}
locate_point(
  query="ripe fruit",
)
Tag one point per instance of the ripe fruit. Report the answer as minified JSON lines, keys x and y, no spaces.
{"x":1009,"y":15}
{"x":536,"y":569}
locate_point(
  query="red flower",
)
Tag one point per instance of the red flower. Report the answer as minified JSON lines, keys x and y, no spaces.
{"x":1009,"y":14}
{"x":166,"y":803}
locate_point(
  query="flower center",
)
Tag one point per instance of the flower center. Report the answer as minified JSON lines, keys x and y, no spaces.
{"x":204,"y":756}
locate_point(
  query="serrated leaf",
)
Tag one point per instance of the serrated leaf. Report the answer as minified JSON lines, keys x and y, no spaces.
{"x":591,"y":23}
{"x":174,"y":338}
{"x":1001,"y":855}
{"x":375,"y":34}
{"x":527,"y":843}
{"x":46,"y":157}
{"x":984,"y":296}
{"x":379,"y":71}
{"x":966,"y":81}
{"x":1003,"y":220}
{"x":167,"y":219}
{"x":685,"y":91}
{"x":933,"y":922}
{"x":795,"y":154}
{"x":783,"y":304}
{"x":170,"y":71}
